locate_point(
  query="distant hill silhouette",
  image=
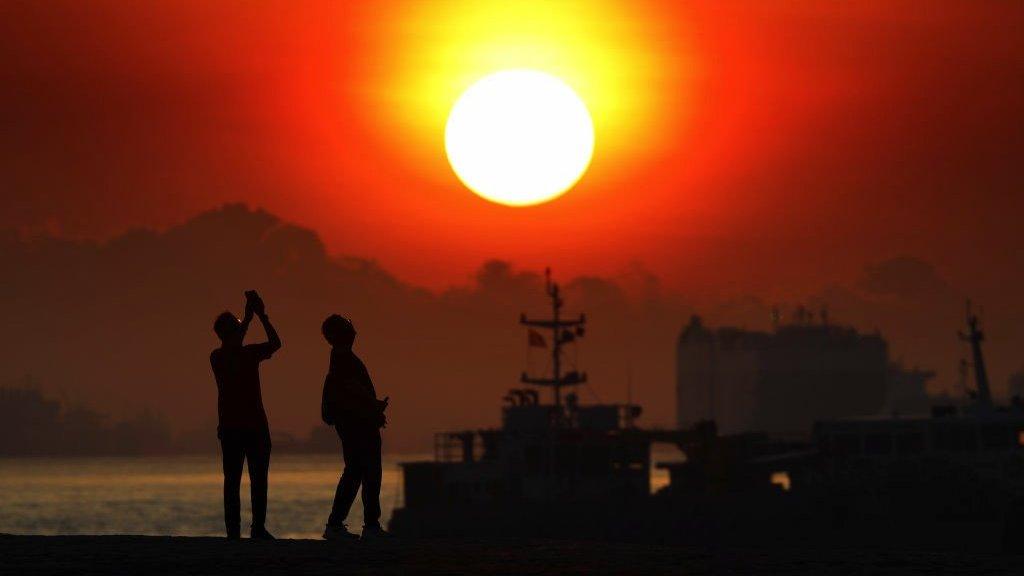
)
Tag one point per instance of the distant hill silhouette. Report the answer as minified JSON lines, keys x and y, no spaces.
{"x":126,"y":324}
{"x":33,"y":424}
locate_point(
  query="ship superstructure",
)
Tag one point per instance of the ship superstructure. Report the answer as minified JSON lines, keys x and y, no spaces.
{"x":545,"y":455}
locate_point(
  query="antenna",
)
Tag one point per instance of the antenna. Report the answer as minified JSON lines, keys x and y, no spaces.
{"x":975,"y":337}
{"x":629,"y":381}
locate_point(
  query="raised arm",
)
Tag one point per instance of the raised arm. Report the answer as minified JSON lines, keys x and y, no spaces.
{"x":273,"y":340}
{"x":246,"y":320}
{"x":254,"y":305}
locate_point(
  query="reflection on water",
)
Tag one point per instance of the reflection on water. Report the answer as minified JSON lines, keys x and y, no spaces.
{"x":180,"y":495}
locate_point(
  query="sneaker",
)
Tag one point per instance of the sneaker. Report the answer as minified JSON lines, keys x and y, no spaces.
{"x":261,"y":534}
{"x":339,"y":533}
{"x":376,"y":533}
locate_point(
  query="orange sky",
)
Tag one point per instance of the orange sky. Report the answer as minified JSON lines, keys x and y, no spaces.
{"x":742,"y":146}
{"x":747,"y":153}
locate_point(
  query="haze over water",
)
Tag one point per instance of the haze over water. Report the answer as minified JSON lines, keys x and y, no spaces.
{"x":172,"y":495}
{"x":180,"y":495}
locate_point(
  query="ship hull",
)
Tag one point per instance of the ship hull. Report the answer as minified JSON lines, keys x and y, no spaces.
{"x":756,"y":521}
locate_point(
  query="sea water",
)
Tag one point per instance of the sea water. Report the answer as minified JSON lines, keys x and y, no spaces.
{"x":174,"y":495}
{"x":178,"y":495}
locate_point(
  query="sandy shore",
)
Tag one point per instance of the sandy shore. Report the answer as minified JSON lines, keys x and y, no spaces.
{"x":141,"y":555}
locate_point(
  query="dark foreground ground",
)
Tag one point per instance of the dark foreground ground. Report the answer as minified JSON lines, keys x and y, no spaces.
{"x":144,"y":556}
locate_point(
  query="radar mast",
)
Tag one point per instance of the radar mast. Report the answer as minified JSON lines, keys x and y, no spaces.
{"x":560,"y":336}
{"x":975,"y":337}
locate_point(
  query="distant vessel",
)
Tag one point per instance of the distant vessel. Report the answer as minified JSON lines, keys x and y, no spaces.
{"x":950,"y":476}
{"x":833,"y":383}
{"x":987,"y":436}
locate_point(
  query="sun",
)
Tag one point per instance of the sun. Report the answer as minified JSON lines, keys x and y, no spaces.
{"x":519,"y":137}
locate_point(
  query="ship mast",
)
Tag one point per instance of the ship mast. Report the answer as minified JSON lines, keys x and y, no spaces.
{"x":975,"y":337}
{"x":560,"y":335}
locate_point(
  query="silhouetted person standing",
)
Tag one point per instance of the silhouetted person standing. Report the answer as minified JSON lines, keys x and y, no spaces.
{"x":350,"y":404}
{"x":243,"y":429}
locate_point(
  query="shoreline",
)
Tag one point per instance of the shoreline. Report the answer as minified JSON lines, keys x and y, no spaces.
{"x":197,"y":555}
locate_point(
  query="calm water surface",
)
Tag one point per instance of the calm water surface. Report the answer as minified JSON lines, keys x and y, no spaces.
{"x":178,"y":495}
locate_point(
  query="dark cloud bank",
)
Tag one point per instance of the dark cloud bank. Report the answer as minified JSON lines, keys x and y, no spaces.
{"x":124,"y":327}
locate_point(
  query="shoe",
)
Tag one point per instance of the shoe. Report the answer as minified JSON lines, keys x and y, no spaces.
{"x":234,"y":536}
{"x":376,"y":533}
{"x":339,"y":533}
{"x":261,"y":534}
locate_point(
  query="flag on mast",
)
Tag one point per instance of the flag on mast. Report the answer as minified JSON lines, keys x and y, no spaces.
{"x":537,"y":339}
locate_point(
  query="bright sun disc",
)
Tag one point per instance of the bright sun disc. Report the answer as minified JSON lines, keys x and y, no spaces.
{"x":519,"y":137}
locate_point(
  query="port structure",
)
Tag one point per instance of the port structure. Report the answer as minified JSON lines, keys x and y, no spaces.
{"x":562,"y":332}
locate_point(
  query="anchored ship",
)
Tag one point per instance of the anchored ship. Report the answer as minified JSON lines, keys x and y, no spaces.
{"x":952,"y":477}
{"x":552,"y":467}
